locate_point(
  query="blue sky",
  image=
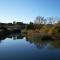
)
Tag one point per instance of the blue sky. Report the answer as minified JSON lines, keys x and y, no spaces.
{"x":26,"y":10}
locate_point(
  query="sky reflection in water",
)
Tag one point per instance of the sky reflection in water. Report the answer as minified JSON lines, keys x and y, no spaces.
{"x":13,"y":48}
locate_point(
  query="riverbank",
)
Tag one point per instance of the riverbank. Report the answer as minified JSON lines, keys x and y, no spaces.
{"x":42,"y":31}
{"x":42,"y":35}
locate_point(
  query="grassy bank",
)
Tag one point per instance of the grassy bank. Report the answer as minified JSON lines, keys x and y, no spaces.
{"x":44,"y":31}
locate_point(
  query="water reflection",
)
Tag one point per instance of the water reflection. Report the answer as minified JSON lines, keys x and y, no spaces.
{"x":11,"y":36}
{"x":44,"y":43}
{"x":15,"y":36}
{"x":33,"y":40}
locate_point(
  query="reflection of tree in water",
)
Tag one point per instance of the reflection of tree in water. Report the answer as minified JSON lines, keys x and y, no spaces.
{"x":18,"y":36}
{"x":14,"y":36}
{"x":44,"y":43}
{"x":38,"y":42}
{"x":2,"y":37}
{"x":55,"y":44}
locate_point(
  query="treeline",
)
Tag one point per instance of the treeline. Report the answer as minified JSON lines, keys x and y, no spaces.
{"x":40,"y":24}
{"x":47,"y":29}
{"x":14,"y":25}
{"x":44,"y":27}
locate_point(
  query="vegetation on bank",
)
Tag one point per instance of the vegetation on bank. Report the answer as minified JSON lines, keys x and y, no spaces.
{"x":40,"y":27}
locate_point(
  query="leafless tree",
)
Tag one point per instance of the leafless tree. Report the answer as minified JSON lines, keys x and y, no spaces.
{"x":52,"y":20}
{"x":39,"y":20}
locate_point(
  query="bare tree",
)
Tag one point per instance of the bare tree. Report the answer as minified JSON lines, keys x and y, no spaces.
{"x":39,"y":20}
{"x":50,"y":20}
{"x":45,"y":21}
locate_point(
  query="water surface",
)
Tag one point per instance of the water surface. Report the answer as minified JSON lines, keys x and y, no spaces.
{"x":17,"y":47}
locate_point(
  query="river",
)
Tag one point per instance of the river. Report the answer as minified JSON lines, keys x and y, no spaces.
{"x":17,"y":47}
